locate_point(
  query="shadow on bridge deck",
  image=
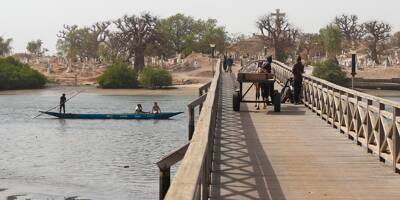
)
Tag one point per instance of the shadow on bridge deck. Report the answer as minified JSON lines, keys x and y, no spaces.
{"x":239,"y":172}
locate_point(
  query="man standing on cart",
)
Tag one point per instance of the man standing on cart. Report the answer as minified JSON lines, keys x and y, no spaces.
{"x":298,"y":70}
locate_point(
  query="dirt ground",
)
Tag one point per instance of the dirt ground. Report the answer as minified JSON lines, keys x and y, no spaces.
{"x":379,"y":72}
{"x":194,"y":69}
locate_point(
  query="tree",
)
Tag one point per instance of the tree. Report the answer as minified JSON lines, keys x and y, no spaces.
{"x":331,"y":71}
{"x":348,"y":25}
{"x":331,"y":38}
{"x":309,"y":45}
{"x":396,"y":39}
{"x":278,"y":32}
{"x":179,"y":29}
{"x":35,"y":47}
{"x":15,"y":75}
{"x":376,"y":33}
{"x":183,"y":34}
{"x":82,"y":42}
{"x":234,"y":38}
{"x":133,"y":35}
{"x":5,"y":46}
{"x":208,"y":32}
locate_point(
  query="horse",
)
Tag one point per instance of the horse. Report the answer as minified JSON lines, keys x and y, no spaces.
{"x":259,"y":88}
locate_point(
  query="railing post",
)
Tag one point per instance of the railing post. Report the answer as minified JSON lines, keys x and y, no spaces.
{"x":380,"y":132}
{"x":349,"y":116}
{"x":358,"y":121}
{"x":191,"y":123}
{"x":165,"y":181}
{"x":395,"y":138}
{"x":305,"y":88}
{"x":369,"y":126}
{"x":340,"y":112}
{"x":334,"y":108}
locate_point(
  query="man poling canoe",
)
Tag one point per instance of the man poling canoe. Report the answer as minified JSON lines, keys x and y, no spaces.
{"x":63,"y":100}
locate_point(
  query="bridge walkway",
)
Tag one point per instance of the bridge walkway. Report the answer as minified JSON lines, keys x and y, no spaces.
{"x":291,"y":155}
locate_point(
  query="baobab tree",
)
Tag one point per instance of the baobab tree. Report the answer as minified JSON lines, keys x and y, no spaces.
{"x":376,"y":33}
{"x":135,"y":33}
{"x":276,"y":30}
{"x":351,"y":30}
{"x":310,"y":45}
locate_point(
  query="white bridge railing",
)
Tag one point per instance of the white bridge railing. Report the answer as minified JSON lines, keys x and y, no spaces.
{"x":370,"y":121}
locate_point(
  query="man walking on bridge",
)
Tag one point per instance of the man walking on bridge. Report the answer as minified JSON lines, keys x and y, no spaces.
{"x":229,"y":63}
{"x":298,"y":70}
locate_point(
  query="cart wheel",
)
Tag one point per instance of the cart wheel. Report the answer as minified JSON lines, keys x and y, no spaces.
{"x":277,"y":101}
{"x":236,"y":101}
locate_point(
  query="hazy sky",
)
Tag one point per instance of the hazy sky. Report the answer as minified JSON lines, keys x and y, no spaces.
{"x":26,"y":20}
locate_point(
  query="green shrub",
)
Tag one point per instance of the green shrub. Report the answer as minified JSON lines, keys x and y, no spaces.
{"x":118,"y":76}
{"x":155,"y":77}
{"x":15,"y":75}
{"x":331,"y":71}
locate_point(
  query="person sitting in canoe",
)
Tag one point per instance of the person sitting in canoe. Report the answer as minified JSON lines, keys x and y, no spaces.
{"x":63,"y":100}
{"x":156,"y":109}
{"x":139,"y":108}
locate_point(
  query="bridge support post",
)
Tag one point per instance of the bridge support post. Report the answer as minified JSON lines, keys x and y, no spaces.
{"x":165,"y":181}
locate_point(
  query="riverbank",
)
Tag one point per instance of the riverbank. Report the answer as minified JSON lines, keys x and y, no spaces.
{"x":176,"y":90}
{"x":382,"y":93}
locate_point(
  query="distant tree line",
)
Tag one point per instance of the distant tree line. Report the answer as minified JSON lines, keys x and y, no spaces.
{"x":131,"y":38}
{"x":345,"y":32}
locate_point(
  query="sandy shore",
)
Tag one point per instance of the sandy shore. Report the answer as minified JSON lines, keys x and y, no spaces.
{"x":177,"y":90}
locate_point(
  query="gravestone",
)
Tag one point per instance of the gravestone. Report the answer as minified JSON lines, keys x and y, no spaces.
{"x":178,"y":58}
{"x":69,"y":70}
{"x":49,"y":68}
{"x":386,"y":62}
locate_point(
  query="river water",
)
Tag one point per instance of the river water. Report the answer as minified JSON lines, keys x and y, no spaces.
{"x":49,"y":158}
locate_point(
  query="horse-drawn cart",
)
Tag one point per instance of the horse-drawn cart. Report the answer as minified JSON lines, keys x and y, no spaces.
{"x":267,"y":79}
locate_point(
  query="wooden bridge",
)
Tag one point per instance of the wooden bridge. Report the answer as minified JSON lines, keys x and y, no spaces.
{"x":341,"y":144}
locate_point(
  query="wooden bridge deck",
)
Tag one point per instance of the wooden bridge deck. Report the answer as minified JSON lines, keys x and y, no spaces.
{"x":291,"y":155}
